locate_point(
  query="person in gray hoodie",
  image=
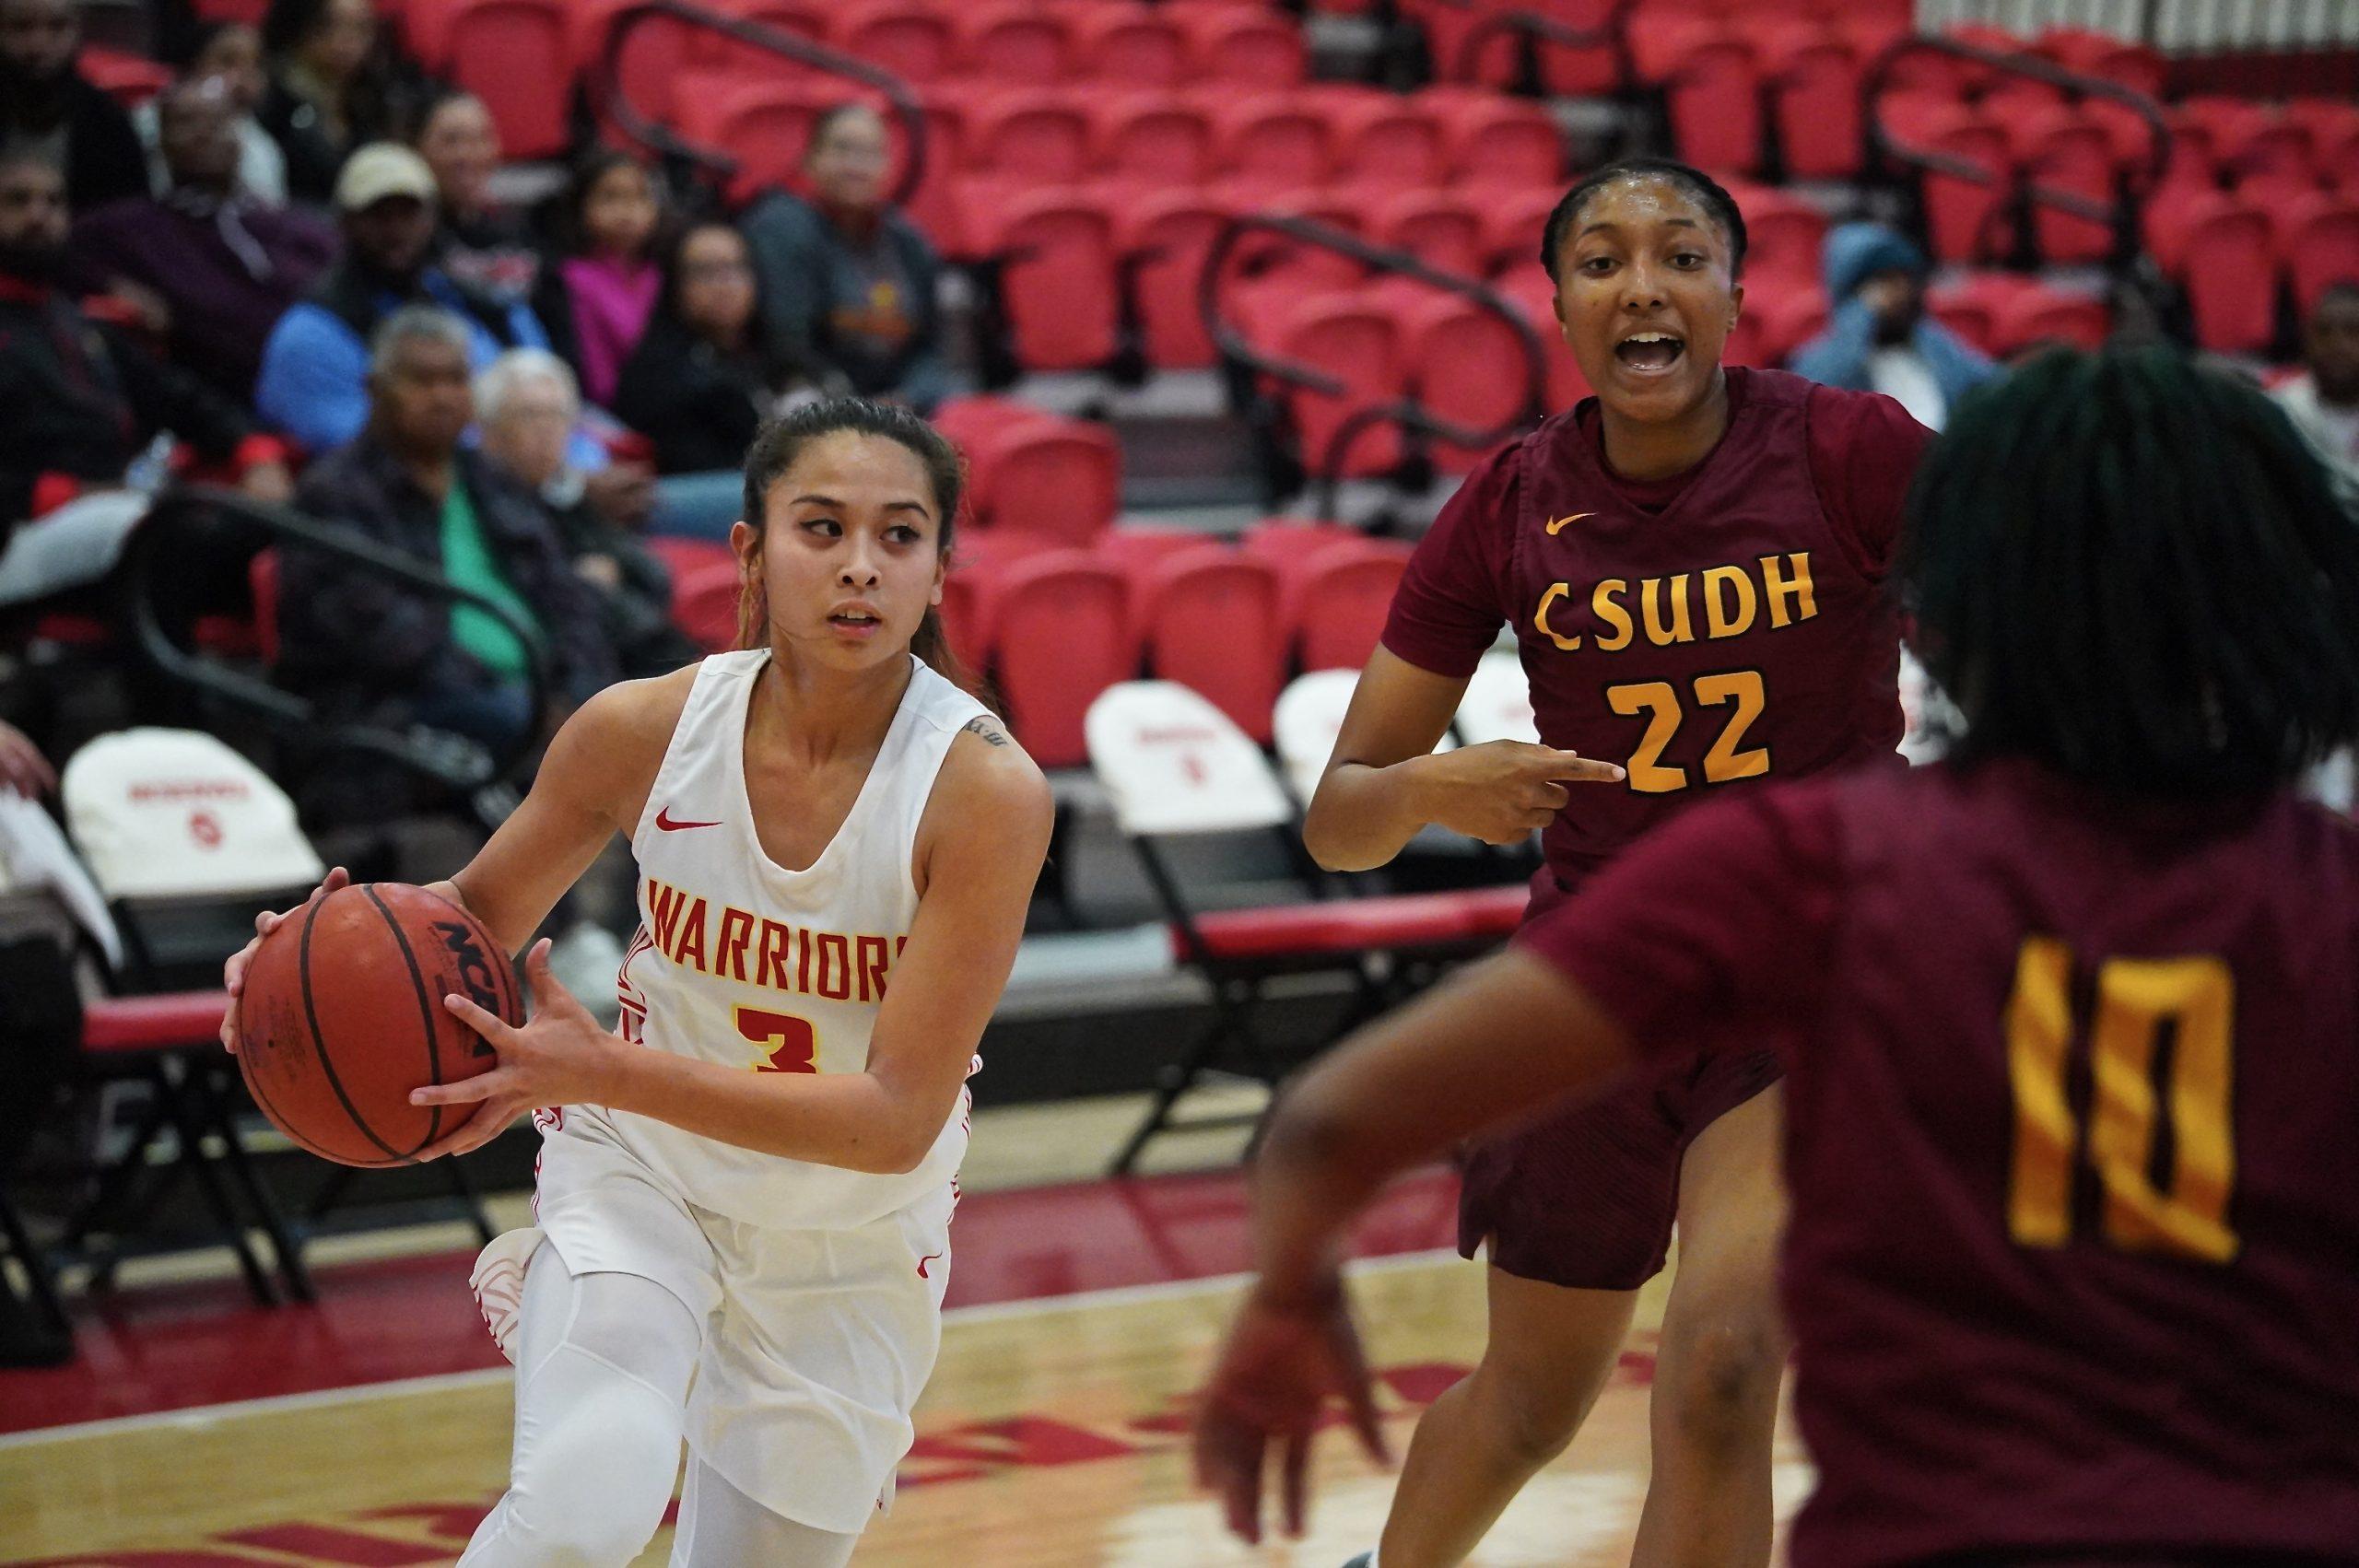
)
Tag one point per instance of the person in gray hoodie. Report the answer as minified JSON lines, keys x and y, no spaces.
{"x":1879,"y":338}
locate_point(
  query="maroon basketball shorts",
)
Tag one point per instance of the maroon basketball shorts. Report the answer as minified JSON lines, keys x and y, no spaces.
{"x":1586,"y":1198}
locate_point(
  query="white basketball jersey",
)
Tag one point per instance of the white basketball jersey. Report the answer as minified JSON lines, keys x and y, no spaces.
{"x":742,"y":962}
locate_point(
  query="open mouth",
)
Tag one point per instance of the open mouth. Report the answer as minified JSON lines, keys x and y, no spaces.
{"x":1652,"y":352}
{"x":854,"y":621}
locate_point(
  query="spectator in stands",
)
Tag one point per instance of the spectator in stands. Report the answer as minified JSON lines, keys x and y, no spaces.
{"x":369,"y":648}
{"x":329,"y":92}
{"x":226,"y":266}
{"x":82,"y":408}
{"x":2323,"y":401}
{"x":848,"y":283}
{"x":313,"y":383}
{"x":230,"y":55}
{"x":487,"y":248}
{"x":1879,"y":338}
{"x":609,"y":277}
{"x":527,"y":402}
{"x":704,"y":376}
{"x":48,"y":108}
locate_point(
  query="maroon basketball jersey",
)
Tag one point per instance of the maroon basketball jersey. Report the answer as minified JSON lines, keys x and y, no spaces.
{"x":1734,"y":636}
{"x":2073,"y":1145}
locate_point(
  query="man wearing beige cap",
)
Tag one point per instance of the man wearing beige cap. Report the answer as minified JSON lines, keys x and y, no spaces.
{"x":313,"y":385}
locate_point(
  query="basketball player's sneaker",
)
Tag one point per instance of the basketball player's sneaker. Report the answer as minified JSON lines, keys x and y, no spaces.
{"x":499,"y":1284}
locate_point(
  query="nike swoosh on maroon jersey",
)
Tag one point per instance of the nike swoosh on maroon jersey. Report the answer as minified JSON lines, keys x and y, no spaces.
{"x":663,"y":820}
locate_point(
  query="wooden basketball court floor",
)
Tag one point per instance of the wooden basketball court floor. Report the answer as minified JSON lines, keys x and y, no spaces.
{"x":1052,"y":1434}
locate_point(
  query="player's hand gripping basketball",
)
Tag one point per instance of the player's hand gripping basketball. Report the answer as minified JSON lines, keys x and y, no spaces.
{"x":559,"y":1057}
{"x":233,"y":973}
{"x":1503,"y":791}
{"x":1283,"y":1360}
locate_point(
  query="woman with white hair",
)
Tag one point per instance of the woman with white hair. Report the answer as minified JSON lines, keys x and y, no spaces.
{"x":526,"y":401}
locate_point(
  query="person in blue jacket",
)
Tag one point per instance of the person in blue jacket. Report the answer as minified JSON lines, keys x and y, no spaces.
{"x":1879,"y":338}
{"x":313,"y":385}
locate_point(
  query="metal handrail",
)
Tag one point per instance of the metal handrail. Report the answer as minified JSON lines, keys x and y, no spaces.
{"x":1613,"y":33}
{"x":1407,"y":412}
{"x":450,"y":760}
{"x":607,"y":97}
{"x":2115,"y":214}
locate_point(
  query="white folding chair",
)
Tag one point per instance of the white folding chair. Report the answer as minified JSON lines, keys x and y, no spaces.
{"x":1175,"y":767}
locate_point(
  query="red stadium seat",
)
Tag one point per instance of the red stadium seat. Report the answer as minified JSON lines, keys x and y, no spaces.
{"x":1712,"y":84}
{"x":1516,"y":222}
{"x":506,"y":52}
{"x":1058,"y":624}
{"x":1960,"y":213}
{"x":1208,"y":618}
{"x":1285,"y":542}
{"x":1970,"y":306}
{"x":704,"y":605}
{"x":1037,"y":134}
{"x":1015,"y":43}
{"x":1496,"y":141}
{"x":1165,"y":236}
{"x":2318,"y":240}
{"x":1782,"y":313}
{"x":1384,"y":136}
{"x":968,"y":420}
{"x":2062,"y":149}
{"x":2132,"y":65}
{"x":1342,"y":598}
{"x":1240,"y":46}
{"x":2262,"y":141}
{"x":1442,"y":229}
{"x":974,"y":559}
{"x":262,"y":582}
{"x":2035,"y":316}
{"x":1275,"y":138}
{"x":1137,"y":549}
{"x":2222,"y":247}
{"x":1274,"y":260}
{"x":1465,"y":365}
{"x":1134,"y":44}
{"x":1058,"y":280}
{"x":658,"y":51}
{"x":1357,"y":342}
{"x":1154,"y":137}
{"x":129,"y":79}
{"x":1783,"y":232}
{"x":1060,"y":478}
{"x":1531,"y":288}
{"x":912,"y":42}
{"x":1814,"y":77}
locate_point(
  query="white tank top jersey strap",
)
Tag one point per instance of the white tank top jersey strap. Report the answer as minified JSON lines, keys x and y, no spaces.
{"x":742,"y":962}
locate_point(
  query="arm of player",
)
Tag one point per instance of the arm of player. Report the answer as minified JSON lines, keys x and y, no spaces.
{"x":1503,"y":1040}
{"x":1385,"y":781}
{"x":590,"y":785}
{"x":981,"y":844}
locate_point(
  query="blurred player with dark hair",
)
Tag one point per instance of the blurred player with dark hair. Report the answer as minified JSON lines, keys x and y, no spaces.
{"x":2070,"y":1024}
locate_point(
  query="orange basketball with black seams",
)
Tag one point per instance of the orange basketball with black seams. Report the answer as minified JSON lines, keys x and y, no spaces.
{"x":342,"y":1016}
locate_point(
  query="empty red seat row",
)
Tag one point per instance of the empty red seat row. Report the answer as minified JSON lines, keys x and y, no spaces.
{"x":2085,"y":150}
{"x":1049,"y":131}
{"x":2004,"y":313}
{"x":2228,"y":253}
{"x":2308,"y":142}
{"x":1033,"y":472}
{"x":1055,"y":627}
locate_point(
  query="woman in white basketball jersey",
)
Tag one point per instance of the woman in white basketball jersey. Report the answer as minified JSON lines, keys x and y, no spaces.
{"x":744,"y":1197}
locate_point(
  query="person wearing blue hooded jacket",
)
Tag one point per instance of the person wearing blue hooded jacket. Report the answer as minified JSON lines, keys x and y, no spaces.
{"x":1879,"y":338}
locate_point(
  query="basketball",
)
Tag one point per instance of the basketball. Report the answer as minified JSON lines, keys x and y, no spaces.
{"x":342,"y":1016}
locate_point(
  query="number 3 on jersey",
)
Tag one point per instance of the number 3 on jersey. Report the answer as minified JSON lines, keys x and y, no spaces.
{"x":1659,"y":700}
{"x":788,"y":1043}
{"x":2139,"y":1003}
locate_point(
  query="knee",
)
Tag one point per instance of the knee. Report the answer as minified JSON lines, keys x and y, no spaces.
{"x":1716,"y":1384}
{"x":1531,"y":1415}
{"x":568,"y":1528}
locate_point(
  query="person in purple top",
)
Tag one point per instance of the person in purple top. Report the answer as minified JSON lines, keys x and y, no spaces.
{"x":2069,"y":1024}
{"x":1691,"y":563}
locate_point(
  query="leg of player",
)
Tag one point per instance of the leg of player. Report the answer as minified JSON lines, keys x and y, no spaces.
{"x":1722,"y":1353}
{"x":1550,"y":1351}
{"x":722,"y":1528}
{"x":602,"y":1381}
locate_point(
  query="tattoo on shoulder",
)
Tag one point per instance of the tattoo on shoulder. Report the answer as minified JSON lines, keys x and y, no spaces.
{"x":988,"y":729}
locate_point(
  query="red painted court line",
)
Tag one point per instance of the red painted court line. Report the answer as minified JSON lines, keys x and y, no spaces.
{"x":183,"y":1347}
